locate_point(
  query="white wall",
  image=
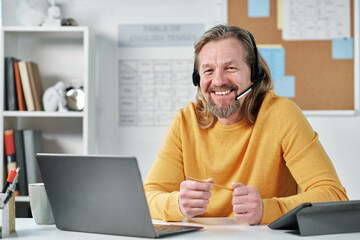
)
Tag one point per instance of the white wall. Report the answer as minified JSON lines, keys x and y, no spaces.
{"x":103,"y":18}
{"x":340,"y":135}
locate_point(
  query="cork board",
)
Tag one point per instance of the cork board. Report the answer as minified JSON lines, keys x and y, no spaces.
{"x":321,"y":83}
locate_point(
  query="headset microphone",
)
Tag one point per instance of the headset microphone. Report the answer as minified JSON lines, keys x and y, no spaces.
{"x":251,"y":87}
{"x":257,"y":73}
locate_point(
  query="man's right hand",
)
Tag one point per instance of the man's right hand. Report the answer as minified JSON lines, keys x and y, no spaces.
{"x":194,"y":197}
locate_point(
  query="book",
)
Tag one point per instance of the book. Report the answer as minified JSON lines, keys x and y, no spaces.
{"x":36,"y":84}
{"x":19,"y":90}
{"x":20,"y":160}
{"x":32,"y":146}
{"x":9,"y":149}
{"x":10,"y":89}
{"x":9,"y":145}
{"x":25,"y":83}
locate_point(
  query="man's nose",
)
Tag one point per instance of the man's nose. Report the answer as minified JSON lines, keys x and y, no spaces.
{"x":219,"y":77}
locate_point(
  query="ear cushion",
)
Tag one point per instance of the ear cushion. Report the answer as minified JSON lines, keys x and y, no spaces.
{"x":196,"y":78}
{"x":254,"y":72}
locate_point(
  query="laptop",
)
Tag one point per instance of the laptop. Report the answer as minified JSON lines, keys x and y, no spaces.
{"x":100,"y":194}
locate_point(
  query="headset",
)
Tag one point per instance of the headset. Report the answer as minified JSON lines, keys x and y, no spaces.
{"x":257,"y":73}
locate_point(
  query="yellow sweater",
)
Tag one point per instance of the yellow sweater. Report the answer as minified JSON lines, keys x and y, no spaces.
{"x":280,"y":155}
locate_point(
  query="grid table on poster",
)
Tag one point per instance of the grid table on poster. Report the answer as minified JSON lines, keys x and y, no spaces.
{"x":152,"y":91}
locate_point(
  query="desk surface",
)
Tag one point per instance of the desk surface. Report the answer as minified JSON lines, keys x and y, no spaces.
{"x":214,"y":228}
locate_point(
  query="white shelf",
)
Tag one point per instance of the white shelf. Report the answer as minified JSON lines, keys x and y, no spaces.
{"x":62,"y":54}
{"x":47,"y":32}
{"x":70,"y":114}
{"x":44,"y":29}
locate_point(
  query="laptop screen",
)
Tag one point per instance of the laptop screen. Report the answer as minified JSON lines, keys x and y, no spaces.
{"x":100,"y":194}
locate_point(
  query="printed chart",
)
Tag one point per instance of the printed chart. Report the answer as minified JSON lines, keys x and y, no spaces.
{"x":152,"y":91}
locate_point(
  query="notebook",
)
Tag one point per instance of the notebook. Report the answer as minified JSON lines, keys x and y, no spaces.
{"x":100,"y":194}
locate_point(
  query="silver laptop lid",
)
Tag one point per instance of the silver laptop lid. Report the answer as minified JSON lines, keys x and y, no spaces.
{"x":98,"y":194}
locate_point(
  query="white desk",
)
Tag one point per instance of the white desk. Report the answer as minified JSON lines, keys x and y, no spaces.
{"x":214,"y":228}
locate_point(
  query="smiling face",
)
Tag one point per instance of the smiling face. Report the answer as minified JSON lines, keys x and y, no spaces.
{"x":223,"y":75}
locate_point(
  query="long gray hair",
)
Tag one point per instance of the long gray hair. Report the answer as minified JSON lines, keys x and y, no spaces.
{"x":254,"y":99}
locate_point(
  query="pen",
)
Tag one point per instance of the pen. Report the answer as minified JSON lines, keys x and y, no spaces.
{"x":10,"y":190}
{"x":216,"y":185}
{"x":10,"y":179}
{"x":13,"y":184}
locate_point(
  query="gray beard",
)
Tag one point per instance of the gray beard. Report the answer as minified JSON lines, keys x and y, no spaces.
{"x":223,"y":111}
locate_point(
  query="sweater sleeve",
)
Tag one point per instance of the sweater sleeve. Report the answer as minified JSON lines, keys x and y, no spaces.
{"x":307,"y":161}
{"x":163,"y":180}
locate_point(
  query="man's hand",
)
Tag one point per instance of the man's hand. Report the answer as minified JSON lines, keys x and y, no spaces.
{"x":194,"y":197}
{"x":247,"y":204}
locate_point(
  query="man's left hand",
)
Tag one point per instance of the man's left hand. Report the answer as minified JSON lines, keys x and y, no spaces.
{"x":247,"y":204}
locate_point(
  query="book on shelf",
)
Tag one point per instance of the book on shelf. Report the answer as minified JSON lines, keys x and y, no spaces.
{"x":21,"y":147}
{"x":25,"y":82}
{"x":19,"y":89}
{"x":36,"y":84}
{"x":32,"y":145}
{"x":9,"y":146}
{"x":11,"y":103}
{"x":23,"y":85}
{"x":20,"y":159}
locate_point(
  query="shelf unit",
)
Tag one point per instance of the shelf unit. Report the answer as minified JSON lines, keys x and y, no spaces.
{"x":62,"y":54}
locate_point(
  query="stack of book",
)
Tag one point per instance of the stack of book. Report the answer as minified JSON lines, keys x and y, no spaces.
{"x":23,"y":86}
{"x":21,"y":147}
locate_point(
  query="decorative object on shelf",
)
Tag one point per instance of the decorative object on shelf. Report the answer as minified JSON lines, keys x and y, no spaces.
{"x":68,"y":22}
{"x":54,"y":98}
{"x":32,"y":12}
{"x":54,"y":14}
{"x":75,"y":98}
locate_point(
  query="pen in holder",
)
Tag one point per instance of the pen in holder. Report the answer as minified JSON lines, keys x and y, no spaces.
{"x":7,"y":216}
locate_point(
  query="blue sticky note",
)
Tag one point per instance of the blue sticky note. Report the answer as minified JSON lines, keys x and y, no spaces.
{"x":285,"y":87}
{"x":259,"y":8}
{"x":275,"y":58}
{"x":343,"y":48}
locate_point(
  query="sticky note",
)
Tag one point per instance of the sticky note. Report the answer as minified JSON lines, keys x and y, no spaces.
{"x":285,"y":87}
{"x":259,"y":8}
{"x":275,"y":58}
{"x":343,"y":48}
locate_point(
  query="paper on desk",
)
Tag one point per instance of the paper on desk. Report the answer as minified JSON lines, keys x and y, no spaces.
{"x":316,"y":19}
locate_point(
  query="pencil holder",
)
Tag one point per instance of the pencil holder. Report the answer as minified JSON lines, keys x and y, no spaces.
{"x":7,"y":217}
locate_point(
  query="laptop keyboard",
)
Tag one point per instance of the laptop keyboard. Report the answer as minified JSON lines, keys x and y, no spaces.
{"x":159,"y":228}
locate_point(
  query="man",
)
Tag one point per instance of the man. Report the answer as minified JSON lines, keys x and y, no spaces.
{"x":239,"y":133}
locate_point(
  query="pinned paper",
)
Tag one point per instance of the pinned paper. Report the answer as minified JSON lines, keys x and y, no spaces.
{"x":274,"y":56}
{"x":259,"y":8}
{"x":316,"y":20}
{"x":343,"y":48}
{"x":285,"y":87}
{"x":279,"y":17}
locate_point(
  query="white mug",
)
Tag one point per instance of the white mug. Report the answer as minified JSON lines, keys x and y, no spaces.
{"x":39,"y":204}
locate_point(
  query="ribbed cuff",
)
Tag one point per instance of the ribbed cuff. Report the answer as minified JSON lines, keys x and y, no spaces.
{"x":173,"y":212}
{"x":271,"y":211}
